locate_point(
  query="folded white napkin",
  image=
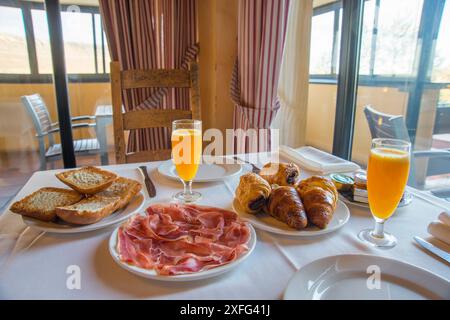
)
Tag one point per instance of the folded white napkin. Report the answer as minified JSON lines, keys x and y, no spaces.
{"x":441,"y":229}
{"x":316,"y":160}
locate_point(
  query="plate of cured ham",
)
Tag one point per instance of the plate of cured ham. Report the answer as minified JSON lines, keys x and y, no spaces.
{"x":175,"y":242}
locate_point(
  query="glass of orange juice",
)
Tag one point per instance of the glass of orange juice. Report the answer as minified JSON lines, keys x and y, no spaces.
{"x":387,"y":175}
{"x":186,"y":155}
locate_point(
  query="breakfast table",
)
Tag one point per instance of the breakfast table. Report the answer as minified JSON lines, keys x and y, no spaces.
{"x":37,"y":265}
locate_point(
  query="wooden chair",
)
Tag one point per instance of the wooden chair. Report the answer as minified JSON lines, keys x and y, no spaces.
{"x":383,"y":125}
{"x":142,"y":119}
{"x":45,"y":128}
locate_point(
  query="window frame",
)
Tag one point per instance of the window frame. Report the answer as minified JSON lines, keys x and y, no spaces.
{"x":371,"y":79}
{"x":34,"y":76}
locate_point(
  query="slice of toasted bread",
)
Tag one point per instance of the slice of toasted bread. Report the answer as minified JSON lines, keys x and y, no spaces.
{"x":87,"y":180}
{"x":88,"y":210}
{"x":42,"y":203}
{"x":124,"y":188}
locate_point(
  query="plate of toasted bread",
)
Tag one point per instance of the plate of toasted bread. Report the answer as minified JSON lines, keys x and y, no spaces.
{"x":277,"y":201}
{"x":96,"y":199}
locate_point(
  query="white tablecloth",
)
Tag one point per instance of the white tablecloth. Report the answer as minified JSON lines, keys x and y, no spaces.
{"x":39,"y":272}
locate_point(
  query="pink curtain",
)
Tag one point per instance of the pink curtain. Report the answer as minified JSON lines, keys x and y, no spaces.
{"x":151,"y":34}
{"x":261,"y":34}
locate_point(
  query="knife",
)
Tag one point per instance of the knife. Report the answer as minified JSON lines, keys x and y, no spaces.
{"x":255,"y":169}
{"x":151,"y":190}
{"x":433,"y":249}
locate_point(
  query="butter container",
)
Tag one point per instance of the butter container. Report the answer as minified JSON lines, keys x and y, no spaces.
{"x":342,"y":182}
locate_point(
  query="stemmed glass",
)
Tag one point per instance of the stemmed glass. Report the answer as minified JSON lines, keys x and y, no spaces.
{"x":186,"y":155}
{"x":387,"y":175}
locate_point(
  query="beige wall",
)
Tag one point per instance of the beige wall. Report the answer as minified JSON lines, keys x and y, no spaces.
{"x":218,"y":49}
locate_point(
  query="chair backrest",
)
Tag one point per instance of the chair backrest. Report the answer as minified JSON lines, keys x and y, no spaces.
{"x":385,"y":125}
{"x":141,"y":119}
{"x":37,"y":110}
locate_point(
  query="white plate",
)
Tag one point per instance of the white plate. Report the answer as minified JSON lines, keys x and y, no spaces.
{"x":61,"y":227}
{"x":268,"y":223}
{"x":353,"y":277}
{"x":205,"y":173}
{"x":151,"y":274}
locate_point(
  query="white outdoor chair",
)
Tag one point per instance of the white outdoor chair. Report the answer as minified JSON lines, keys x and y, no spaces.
{"x":40,"y":116}
{"x":393,"y":126}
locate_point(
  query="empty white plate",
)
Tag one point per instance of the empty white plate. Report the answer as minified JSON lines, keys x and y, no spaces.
{"x":62,"y":227}
{"x":268,"y":223}
{"x":364,"y":277}
{"x":151,"y":274}
{"x":205,"y":173}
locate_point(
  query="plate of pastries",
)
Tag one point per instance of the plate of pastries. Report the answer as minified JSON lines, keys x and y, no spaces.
{"x":278,"y":201}
{"x":94,"y":199}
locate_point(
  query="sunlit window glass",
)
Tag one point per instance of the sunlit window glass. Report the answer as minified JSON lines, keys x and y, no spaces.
{"x":13,"y":45}
{"x":42,"y":40}
{"x":78,"y":42}
{"x":322,"y":43}
{"x":398,"y":27}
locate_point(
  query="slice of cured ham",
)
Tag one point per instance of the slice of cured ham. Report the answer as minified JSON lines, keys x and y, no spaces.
{"x":175,"y":239}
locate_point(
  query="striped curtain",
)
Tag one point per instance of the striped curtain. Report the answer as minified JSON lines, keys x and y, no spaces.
{"x":151,"y":34}
{"x":261,"y":33}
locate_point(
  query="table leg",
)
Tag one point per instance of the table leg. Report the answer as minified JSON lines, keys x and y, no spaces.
{"x":100,"y":129}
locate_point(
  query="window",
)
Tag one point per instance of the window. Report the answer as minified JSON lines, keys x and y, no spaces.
{"x":78,"y":42}
{"x":389,"y":40}
{"x":42,"y":41}
{"x":441,"y":65}
{"x":322,"y":43}
{"x":102,"y":51}
{"x":85,"y":48}
{"x":13,"y":44}
{"x":325,"y":40}
{"x":396,"y":39}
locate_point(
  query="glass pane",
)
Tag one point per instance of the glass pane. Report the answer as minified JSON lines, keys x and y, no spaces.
{"x":322,"y":93}
{"x":107,"y":56}
{"x":367,"y":37}
{"x":42,"y":39}
{"x":13,"y":44}
{"x":397,"y":37}
{"x":98,"y":39}
{"x":101,"y":39}
{"x":322,"y":43}
{"x":338,"y":41}
{"x":441,"y":66}
{"x":88,"y":96}
{"x":78,"y":42}
{"x":21,"y":152}
{"x":397,"y":53}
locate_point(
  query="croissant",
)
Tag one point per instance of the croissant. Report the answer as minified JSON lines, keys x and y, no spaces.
{"x":282,"y":174}
{"x":252,"y":192}
{"x":285,"y":205}
{"x":319,"y":196}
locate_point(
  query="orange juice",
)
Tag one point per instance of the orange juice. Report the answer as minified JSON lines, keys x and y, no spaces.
{"x":387,"y":175}
{"x":186,"y":152}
